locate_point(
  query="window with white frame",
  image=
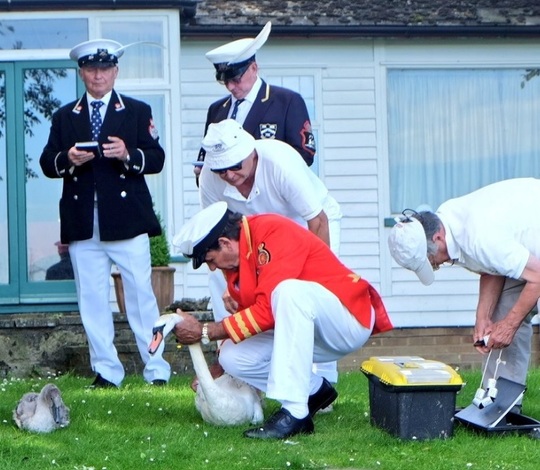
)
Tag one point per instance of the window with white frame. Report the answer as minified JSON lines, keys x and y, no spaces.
{"x":145,"y":56}
{"x":142,"y":75}
{"x":452,"y":131}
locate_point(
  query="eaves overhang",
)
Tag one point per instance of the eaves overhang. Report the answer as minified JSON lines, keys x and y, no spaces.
{"x":365,"y":31}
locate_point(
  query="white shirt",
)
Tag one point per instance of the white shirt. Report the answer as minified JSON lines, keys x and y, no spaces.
{"x":245,"y":106}
{"x":283,"y":184}
{"x":494,"y":229}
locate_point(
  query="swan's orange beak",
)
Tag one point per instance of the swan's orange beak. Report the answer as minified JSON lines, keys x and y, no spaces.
{"x":156,"y":339}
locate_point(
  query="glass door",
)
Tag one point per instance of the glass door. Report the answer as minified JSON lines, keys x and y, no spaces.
{"x":37,"y":270}
{"x":4,"y":234}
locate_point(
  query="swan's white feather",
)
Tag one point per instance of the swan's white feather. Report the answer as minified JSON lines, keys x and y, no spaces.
{"x":225,"y":401}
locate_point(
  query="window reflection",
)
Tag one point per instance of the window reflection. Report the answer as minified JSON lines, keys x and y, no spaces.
{"x":4,"y":260}
{"x":42,"y":33}
{"x":140,"y":60}
{"x":45,"y":91}
{"x":62,"y":269}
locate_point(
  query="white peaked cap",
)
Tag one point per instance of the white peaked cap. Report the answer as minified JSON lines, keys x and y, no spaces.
{"x":239,"y":51}
{"x":97,"y":51}
{"x":200,"y":232}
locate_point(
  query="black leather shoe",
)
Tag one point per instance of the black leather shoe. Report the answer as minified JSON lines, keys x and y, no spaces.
{"x":100,"y":382}
{"x":322,"y":398}
{"x":159,"y":382}
{"x":281,"y":425}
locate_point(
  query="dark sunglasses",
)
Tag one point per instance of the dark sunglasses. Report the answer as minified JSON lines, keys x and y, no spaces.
{"x":235,"y":80}
{"x":222,"y":171}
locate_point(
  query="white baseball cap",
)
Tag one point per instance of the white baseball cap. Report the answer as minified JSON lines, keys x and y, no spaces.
{"x":199,"y":233}
{"x":226,"y":144}
{"x":408,"y":246}
{"x":233,"y":58}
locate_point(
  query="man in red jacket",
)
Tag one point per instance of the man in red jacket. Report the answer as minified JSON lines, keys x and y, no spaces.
{"x":296,"y":304}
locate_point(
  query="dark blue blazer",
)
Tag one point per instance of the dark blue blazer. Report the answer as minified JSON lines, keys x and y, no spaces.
{"x":277,"y":113}
{"x":125,"y":205}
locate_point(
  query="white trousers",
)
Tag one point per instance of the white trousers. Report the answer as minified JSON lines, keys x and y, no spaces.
{"x":311,"y":325}
{"x":92,"y":262}
{"x":217,"y":286}
{"x":516,"y":357}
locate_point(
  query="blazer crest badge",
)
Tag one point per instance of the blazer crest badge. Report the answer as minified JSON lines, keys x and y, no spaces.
{"x":268,"y":130}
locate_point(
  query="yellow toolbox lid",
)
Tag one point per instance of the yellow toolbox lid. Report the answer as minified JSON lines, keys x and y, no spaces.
{"x":410,"y":370}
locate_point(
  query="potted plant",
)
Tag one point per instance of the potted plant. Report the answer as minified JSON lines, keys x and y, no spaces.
{"x":162,"y":273}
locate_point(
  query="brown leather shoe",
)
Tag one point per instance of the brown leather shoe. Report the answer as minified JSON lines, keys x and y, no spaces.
{"x":281,"y":425}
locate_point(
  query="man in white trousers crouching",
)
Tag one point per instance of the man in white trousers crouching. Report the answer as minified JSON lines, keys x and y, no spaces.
{"x":295,"y":304}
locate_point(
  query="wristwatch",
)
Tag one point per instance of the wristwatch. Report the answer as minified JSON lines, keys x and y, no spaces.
{"x":204,"y":334}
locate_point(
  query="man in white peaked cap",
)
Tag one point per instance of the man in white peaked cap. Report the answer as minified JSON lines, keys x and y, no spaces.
{"x":296,"y":304}
{"x":102,"y":145}
{"x":265,"y":111}
{"x":494,"y":232}
{"x":262,"y":176}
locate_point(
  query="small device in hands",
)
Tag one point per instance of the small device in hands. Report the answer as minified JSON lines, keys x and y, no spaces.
{"x":482,"y":342}
{"x":91,"y":146}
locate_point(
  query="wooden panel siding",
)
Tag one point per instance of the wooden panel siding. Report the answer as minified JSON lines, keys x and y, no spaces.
{"x":350,"y":102}
{"x":345,"y":101}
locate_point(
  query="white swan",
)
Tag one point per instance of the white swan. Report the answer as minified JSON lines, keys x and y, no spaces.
{"x":224,"y":401}
{"x":42,"y":412}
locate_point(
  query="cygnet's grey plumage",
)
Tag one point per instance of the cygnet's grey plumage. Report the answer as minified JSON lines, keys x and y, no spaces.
{"x":42,"y":412}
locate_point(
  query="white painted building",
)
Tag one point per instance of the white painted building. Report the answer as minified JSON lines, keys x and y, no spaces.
{"x":399,"y":122}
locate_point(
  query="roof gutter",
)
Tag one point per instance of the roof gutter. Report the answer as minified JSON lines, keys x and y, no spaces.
{"x":363,"y":31}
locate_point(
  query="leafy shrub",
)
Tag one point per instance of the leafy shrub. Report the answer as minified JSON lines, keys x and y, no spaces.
{"x":160,"y":253}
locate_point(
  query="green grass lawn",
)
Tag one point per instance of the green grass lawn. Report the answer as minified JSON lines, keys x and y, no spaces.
{"x":143,"y":427}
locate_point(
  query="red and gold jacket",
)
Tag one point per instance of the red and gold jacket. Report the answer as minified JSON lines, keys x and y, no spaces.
{"x":273,"y":249}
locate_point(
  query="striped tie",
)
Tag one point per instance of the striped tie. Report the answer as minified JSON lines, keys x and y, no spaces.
{"x":235,"y":109}
{"x":95,"y":119}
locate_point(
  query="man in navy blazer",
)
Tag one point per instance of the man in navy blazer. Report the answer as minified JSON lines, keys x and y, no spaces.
{"x":102,"y":146}
{"x":265,"y":111}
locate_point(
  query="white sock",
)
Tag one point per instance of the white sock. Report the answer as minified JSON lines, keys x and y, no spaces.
{"x":297,"y":410}
{"x":315,"y":383}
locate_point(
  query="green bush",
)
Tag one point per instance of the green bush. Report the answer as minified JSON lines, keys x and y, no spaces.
{"x":160,"y":253}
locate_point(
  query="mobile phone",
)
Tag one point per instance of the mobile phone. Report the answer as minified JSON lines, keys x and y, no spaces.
{"x":91,"y":146}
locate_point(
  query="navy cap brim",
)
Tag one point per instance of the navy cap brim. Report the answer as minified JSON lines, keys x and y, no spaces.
{"x":225,"y":72}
